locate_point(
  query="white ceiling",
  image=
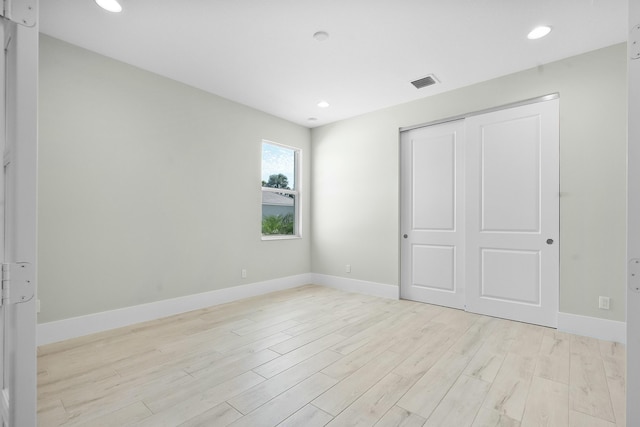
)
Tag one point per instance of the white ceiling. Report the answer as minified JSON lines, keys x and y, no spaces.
{"x":262,"y":52}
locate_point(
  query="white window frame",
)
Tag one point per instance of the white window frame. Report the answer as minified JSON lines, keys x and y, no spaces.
{"x":296,"y":192}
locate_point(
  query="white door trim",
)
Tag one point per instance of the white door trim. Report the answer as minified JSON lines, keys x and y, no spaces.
{"x":633,"y":217}
{"x":542,"y":98}
{"x":21,"y":81}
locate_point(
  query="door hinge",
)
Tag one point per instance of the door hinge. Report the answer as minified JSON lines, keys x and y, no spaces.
{"x":634,"y":42}
{"x":634,"y":274}
{"x":23,"y":12}
{"x":18,"y":283}
{"x":4,"y":407}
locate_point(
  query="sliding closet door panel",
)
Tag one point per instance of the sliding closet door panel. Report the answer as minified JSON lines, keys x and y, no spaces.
{"x":513,"y":213}
{"x":432,"y":200}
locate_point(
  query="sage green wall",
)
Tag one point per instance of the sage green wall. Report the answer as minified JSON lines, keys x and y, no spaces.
{"x":149,"y":189}
{"x":355,"y":200}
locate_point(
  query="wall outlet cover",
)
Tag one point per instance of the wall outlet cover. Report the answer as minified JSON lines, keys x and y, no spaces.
{"x":603,"y":303}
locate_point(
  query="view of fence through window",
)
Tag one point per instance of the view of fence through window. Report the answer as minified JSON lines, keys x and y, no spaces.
{"x":280,"y":194}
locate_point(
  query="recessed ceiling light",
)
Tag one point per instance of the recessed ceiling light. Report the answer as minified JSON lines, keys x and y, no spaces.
{"x":321,"y":36}
{"x":110,"y":5}
{"x":323,"y":104}
{"x":539,"y":32}
{"x":312,"y":119}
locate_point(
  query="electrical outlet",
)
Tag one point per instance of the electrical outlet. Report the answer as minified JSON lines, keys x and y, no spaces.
{"x":347,"y":268}
{"x":244,"y":273}
{"x":37,"y":306}
{"x":603,"y":303}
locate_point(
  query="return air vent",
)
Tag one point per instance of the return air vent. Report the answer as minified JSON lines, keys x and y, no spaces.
{"x":425,"y":81}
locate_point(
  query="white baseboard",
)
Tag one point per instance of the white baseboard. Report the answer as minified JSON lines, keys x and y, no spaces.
{"x":358,"y":286}
{"x":609,"y":330}
{"x":602,"y":329}
{"x":74,"y":327}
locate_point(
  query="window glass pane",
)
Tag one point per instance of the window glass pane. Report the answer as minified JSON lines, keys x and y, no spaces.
{"x":278,"y":166}
{"x":278,"y":213}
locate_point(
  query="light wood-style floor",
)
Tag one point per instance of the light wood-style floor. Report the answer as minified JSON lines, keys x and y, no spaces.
{"x":314,"y":356}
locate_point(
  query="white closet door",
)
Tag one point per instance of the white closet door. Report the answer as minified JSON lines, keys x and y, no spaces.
{"x":512,"y":211}
{"x":433,"y":214}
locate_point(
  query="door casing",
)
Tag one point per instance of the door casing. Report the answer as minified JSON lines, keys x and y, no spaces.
{"x":20,"y":217}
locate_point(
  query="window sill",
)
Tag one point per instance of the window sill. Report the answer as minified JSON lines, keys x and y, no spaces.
{"x":281,"y":237}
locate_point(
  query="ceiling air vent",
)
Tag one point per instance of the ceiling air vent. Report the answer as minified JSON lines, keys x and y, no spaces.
{"x":425,"y":81}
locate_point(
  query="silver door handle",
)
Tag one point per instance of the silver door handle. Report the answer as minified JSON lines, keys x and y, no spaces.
{"x":549,"y":241}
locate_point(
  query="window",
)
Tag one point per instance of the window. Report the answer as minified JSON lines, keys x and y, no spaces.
{"x":280,"y":191}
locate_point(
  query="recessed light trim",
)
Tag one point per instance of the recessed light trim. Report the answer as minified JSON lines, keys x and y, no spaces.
{"x":321,"y":36}
{"x":110,"y":5}
{"x":323,"y":104}
{"x":539,"y":32}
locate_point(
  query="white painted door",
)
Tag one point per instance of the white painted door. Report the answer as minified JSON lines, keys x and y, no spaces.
{"x":18,"y":138}
{"x":433,"y":214}
{"x":512,"y":209}
{"x":480,"y":213}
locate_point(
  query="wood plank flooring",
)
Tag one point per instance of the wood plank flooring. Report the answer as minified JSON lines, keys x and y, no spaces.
{"x":314,"y":356}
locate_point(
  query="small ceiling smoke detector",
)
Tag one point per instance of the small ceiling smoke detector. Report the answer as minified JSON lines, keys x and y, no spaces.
{"x":425,"y":81}
{"x":110,"y":5}
{"x":539,"y":32}
{"x":321,"y":36}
